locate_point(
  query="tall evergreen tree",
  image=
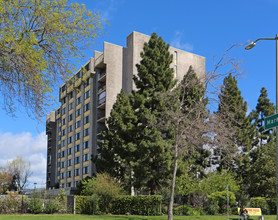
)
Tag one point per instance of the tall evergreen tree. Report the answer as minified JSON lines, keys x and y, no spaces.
{"x":118,"y":148}
{"x":262,"y":164}
{"x":154,"y":75}
{"x":232,"y":112}
{"x":264,"y":108}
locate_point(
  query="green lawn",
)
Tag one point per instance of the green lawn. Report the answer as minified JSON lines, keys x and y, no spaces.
{"x":107,"y":217}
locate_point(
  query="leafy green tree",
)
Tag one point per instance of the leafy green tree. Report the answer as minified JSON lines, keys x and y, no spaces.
{"x":232,"y":113}
{"x":118,"y":149}
{"x":37,"y":39}
{"x":153,"y":160}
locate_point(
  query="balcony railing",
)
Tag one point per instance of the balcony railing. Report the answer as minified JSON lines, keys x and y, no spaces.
{"x":101,"y":101}
{"x":101,"y":88}
{"x":101,"y":74}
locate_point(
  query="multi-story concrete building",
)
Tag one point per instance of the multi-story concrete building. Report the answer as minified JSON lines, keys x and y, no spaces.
{"x":86,"y":101}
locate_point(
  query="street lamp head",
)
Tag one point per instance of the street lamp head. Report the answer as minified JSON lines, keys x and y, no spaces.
{"x":250,"y":46}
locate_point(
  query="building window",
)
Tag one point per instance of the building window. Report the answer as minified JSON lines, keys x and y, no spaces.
{"x":77,"y":148}
{"x":87,"y":83}
{"x":86,"y":132}
{"x":77,"y":172}
{"x":68,"y":174}
{"x":87,"y":94}
{"x":62,"y":175}
{"x":64,"y":100}
{"x":59,"y":155}
{"x":70,"y":117}
{"x":70,"y":95}
{"x":69,"y":139}
{"x":63,"y":153}
{"x":69,"y":151}
{"x":70,"y":105}
{"x":76,"y":160}
{"x":64,"y":111}
{"x":63,"y":121}
{"x":63,"y":132}
{"x":75,"y":183}
{"x":77,"y":124}
{"x":85,"y":170}
{"x":70,"y":129}
{"x":69,"y":162}
{"x":85,"y":157}
{"x":85,"y":144}
{"x":86,"y":119}
{"x":78,"y":112}
{"x":69,"y":184}
{"x":63,"y":164}
{"x":78,"y":100}
{"x":63,"y":143}
{"x":58,"y":164}
{"x":77,"y":136}
{"x":86,"y":107}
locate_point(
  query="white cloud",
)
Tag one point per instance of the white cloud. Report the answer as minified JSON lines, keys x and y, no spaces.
{"x":31,"y":148}
{"x":178,"y":43}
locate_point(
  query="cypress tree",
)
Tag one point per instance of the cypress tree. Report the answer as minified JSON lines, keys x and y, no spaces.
{"x":118,"y":148}
{"x":152,"y":167}
{"x":232,"y":111}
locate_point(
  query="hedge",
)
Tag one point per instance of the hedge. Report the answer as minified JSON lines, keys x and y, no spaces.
{"x":133,"y":205}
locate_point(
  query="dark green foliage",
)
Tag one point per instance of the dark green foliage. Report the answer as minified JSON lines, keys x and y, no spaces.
{"x":87,"y":205}
{"x":152,"y":165}
{"x":188,"y":210}
{"x":264,"y":108}
{"x":261,"y":180}
{"x":137,"y":205}
{"x":118,"y":149}
{"x":154,"y":72}
{"x":262,"y":172}
{"x":35,"y":204}
{"x":232,"y":113}
{"x":50,"y":206}
{"x":260,"y":202}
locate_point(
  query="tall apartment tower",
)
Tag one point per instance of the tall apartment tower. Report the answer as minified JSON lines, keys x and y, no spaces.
{"x":86,"y":101}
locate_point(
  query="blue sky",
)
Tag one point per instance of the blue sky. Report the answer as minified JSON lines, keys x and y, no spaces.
{"x":207,"y":28}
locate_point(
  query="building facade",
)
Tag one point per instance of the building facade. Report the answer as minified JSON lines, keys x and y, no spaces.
{"x":86,"y":101}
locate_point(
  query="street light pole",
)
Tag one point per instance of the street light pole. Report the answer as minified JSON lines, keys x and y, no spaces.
{"x":248,"y":47}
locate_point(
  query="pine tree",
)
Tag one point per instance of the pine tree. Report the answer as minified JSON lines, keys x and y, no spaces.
{"x":232,"y":112}
{"x":118,"y":149}
{"x":262,"y":155}
{"x":154,"y":75}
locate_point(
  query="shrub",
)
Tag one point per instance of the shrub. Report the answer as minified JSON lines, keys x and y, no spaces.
{"x":271,"y":205}
{"x":61,"y":200}
{"x":51,"y":206}
{"x":259,"y":202}
{"x":87,"y":205}
{"x":35,"y":204}
{"x":211,"y":207}
{"x":137,"y":205}
{"x":11,"y":203}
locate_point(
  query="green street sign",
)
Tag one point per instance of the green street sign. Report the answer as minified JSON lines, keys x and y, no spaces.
{"x":271,"y":122}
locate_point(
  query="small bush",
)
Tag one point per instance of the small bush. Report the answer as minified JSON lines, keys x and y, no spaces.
{"x":87,"y":205}
{"x":271,"y":205}
{"x":11,"y":204}
{"x":259,"y":202}
{"x":51,"y":206}
{"x":35,"y":204}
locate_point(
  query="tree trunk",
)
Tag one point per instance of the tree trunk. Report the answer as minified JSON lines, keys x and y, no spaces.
{"x":171,"y":202}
